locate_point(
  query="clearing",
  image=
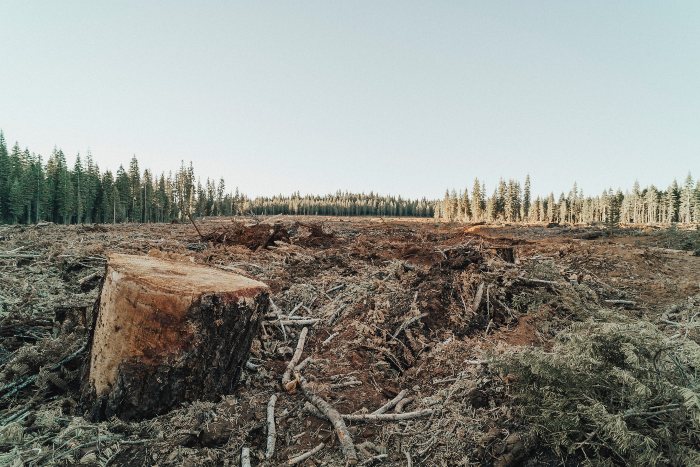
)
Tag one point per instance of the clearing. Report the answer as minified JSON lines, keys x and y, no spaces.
{"x":452,"y":318}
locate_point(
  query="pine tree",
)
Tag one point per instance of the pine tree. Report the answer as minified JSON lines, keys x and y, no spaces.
{"x":500,"y":203}
{"x":136,"y":198}
{"x":16,"y":201}
{"x":686,"y":201}
{"x":673,"y":199}
{"x":525,"y":213}
{"x":79,"y":189}
{"x":123,"y":197}
{"x":551,"y":208}
{"x":477,"y":201}
{"x":4,"y":180}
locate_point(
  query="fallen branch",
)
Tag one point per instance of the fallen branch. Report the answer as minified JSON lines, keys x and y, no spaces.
{"x":306,"y":455}
{"x":384,"y":417}
{"x":347,"y":384}
{"x":277,"y":314}
{"x":337,"y":287}
{"x":299,"y":322}
{"x":403,"y":403}
{"x":538,"y":281}
{"x":336,"y":315}
{"x":389,"y":417}
{"x":245,"y":457}
{"x":303,"y":364}
{"x":477,"y":298}
{"x":329,"y":339}
{"x":200,"y":233}
{"x":287,"y":376}
{"x":309,"y":407}
{"x":271,"y":430}
{"x":621,"y":302}
{"x":391,"y":403}
{"x":89,"y":277}
{"x":341,"y":430}
{"x":409,"y":461}
{"x":19,"y":255}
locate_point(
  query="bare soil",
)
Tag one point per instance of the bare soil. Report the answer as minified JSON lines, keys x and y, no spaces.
{"x":402,"y":304}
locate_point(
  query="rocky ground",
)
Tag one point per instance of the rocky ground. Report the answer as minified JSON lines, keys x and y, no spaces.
{"x":445,"y":319}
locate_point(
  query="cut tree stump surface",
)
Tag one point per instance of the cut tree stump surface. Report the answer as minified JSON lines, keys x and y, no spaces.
{"x":168,"y":332}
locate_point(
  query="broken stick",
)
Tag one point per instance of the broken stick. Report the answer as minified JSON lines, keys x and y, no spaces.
{"x":389,"y":417}
{"x":329,"y":339}
{"x":245,"y":457}
{"x":384,"y":417}
{"x":391,"y":403}
{"x":287,"y":376}
{"x":303,"y":364}
{"x":341,"y":430}
{"x":298,"y":322}
{"x":306,"y":455}
{"x":195,"y":226}
{"x":538,"y":281}
{"x":477,"y":298}
{"x":403,"y":403}
{"x":271,"y":431}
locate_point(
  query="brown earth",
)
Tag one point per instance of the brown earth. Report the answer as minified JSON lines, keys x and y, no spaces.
{"x":402,"y":304}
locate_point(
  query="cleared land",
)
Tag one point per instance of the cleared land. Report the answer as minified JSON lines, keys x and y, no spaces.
{"x":499,"y":344}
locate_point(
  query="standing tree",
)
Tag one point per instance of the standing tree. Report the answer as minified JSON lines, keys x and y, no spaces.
{"x":525,"y":209}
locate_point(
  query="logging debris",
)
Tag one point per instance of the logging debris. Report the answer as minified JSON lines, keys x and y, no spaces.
{"x":406,"y":311}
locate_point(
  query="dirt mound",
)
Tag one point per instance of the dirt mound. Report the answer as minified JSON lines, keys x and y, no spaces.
{"x":254,"y":237}
{"x":311,"y":235}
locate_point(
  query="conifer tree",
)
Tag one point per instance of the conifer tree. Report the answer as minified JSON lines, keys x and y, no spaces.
{"x":525,"y":213}
{"x":551,"y":208}
{"x":477,"y":201}
{"x":135,"y":200}
{"x":686,"y":201}
{"x":4,"y":180}
{"x":673,"y":199}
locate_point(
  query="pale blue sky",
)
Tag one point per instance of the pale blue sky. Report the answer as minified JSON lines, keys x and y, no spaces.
{"x":397,"y":97}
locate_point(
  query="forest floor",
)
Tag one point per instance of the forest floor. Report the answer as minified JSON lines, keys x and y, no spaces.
{"x":405,"y":307}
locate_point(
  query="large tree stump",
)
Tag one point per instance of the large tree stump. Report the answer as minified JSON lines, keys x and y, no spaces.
{"x":167,"y":332}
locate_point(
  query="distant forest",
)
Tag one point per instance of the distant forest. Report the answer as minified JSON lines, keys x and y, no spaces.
{"x":511,"y":202}
{"x":32,"y":190}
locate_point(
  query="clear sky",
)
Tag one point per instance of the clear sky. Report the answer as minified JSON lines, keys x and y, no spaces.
{"x":397,"y":97}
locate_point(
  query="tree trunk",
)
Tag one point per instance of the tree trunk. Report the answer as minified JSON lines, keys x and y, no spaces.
{"x":166,"y":332}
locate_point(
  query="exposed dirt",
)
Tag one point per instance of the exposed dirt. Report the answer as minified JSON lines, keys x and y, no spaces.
{"x":402,"y":305}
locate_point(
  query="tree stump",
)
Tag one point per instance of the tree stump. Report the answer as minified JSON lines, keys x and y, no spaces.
{"x":166,"y":332}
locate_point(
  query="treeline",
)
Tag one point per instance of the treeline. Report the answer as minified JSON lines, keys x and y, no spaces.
{"x":512,"y":202}
{"x":341,"y":204}
{"x":32,"y":190}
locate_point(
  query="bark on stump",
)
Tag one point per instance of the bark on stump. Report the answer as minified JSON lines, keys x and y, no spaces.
{"x":166,"y":332}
